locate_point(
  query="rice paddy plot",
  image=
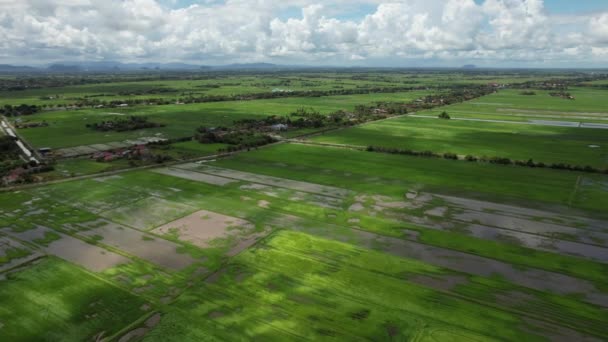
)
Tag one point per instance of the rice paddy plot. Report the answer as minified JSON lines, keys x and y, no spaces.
{"x":53,"y":300}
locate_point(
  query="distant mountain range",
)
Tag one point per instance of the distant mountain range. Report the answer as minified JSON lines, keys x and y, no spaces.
{"x":74,"y":67}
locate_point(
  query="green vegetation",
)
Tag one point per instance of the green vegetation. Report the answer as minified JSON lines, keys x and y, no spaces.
{"x":394,"y":174}
{"x":67,"y":128}
{"x":297,"y":286}
{"x":454,"y":232}
{"x":489,"y":139}
{"x":55,"y":301}
{"x":13,"y":253}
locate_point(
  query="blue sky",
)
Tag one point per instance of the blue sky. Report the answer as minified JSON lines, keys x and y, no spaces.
{"x":355,"y":12}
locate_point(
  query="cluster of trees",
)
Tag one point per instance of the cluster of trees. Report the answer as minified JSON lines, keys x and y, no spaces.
{"x":428,"y":154}
{"x":93,"y":102}
{"x":23,"y":125}
{"x":311,"y":118}
{"x":147,"y":91}
{"x":131,"y":123}
{"x":11,"y":162}
{"x":562,"y":94}
{"x":19,"y":110}
{"x":9,"y":155}
{"x":444,"y":115}
{"x":527,"y":92}
{"x":62,"y":80}
{"x":484,"y":159}
{"x":237,"y":139}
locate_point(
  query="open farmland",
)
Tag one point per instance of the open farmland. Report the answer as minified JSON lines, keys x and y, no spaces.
{"x":311,"y":236}
{"x":68,"y":128}
{"x":578,"y":146}
{"x":588,"y":106}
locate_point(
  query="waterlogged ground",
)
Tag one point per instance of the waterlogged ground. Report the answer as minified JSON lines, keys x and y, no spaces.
{"x":315,"y":242}
{"x":227,"y":252}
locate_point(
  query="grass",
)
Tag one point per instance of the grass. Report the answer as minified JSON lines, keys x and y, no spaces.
{"x":299,"y":287}
{"x":514,"y":141}
{"x":55,"y":301}
{"x":67,"y":128}
{"x":395,"y":174}
{"x":48,"y":238}
{"x":324,"y":271}
{"x":13,"y":253}
{"x":589,"y":106}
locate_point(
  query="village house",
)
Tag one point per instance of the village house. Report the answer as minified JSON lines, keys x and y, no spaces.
{"x":279,"y":127}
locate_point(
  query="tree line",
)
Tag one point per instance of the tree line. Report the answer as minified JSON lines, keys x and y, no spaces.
{"x":485,"y":159}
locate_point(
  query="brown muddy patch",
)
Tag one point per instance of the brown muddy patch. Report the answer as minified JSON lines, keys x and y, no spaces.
{"x":194,"y":176}
{"x":204,"y":226}
{"x":7,"y":244}
{"x":539,"y":242}
{"x":411,"y":234}
{"x":468,"y":263}
{"x":263,"y":204}
{"x":153,"y":321}
{"x":275,"y":181}
{"x":515,"y":298}
{"x":554,"y":332}
{"x":142,"y":245}
{"x":246,"y":242}
{"x":552,"y":230}
{"x":437,"y":212}
{"x":212,"y":279}
{"x":560,"y":218}
{"x":91,"y":257}
{"x":439,"y":282}
{"x":133,"y":335}
{"x":355,"y":207}
{"x":141,"y":332}
{"x":216,"y":314}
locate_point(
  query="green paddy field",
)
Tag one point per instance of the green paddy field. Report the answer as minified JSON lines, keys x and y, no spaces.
{"x":315,"y":238}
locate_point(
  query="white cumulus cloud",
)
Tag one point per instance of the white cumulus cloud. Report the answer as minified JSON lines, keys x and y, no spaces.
{"x":492,"y":31}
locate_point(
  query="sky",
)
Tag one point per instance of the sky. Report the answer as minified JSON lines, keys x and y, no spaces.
{"x":398,"y":33}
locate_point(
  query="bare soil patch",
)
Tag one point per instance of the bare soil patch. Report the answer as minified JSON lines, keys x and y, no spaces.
{"x":526,"y":213}
{"x":195,"y":176}
{"x":7,"y":244}
{"x":437,"y":212}
{"x":524,"y":225}
{"x":274,"y":181}
{"x":468,"y":263}
{"x":205,"y":226}
{"x":246,"y":242}
{"x":91,"y":257}
{"x":355,"y":207}
{"x":263,"y":204}
{"x":134,"y":335}
{"x":216,"y":314}
{"x":142,"y":245}
{"x":148,"y":213}
{"x":153,"y":321}
{"x":439,"y":282}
